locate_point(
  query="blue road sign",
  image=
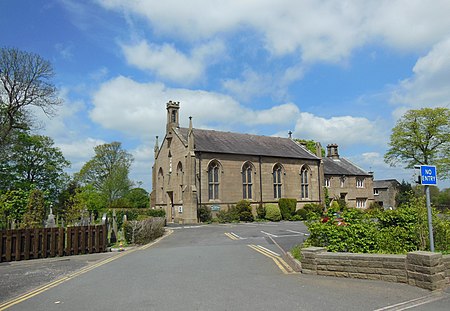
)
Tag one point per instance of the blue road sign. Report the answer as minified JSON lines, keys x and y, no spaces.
{"x":428,"y":175}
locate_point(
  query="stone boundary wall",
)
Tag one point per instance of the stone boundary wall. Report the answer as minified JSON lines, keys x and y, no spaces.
{"x":446,"y":259}
{"x":422,"y":269}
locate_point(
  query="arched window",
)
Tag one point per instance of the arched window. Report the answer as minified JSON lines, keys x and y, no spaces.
{"x":180,"y":181}
{"x":213,"y":180}
{"x":247,"y":181}
{"x":277,"y":182}
{"x":160,"y":187}
{"x":304,"y":183}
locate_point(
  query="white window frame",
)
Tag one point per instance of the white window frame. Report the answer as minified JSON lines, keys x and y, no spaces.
{"x":361,"y":202}
{"x":359,"y":182}
{"x":328,"y":182}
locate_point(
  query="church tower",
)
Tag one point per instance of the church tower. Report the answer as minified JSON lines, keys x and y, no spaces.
{"x":172,"y":116}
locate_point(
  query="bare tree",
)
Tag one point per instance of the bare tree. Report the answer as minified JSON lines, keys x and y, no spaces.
{"x":24,"y":82}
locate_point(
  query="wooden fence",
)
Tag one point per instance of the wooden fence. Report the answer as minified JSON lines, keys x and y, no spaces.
{"x":24,"y":244}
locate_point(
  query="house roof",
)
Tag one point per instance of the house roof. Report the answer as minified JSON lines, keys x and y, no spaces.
{"x":386,"y":183}
{"x":342,"y":166}
{"x":237,"y":143}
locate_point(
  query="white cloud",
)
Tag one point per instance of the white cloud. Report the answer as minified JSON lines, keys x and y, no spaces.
{"x":138,"y":109}
{"x":169,"y":63}
{"x":428,"y":87}
{"x":319,"y":30}
{"x":79,"y":152}
{"x":343,"y":130}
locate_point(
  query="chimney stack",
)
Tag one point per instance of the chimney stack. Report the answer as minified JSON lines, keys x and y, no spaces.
{"x":332,"y":151}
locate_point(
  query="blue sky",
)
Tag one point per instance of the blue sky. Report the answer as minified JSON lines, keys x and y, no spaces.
{"x":333,"y":71}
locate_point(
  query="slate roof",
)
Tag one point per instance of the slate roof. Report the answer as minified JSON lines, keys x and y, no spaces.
{"x":237,"y":143}
{"x":384,"y":184}
{"x":342,"y":166}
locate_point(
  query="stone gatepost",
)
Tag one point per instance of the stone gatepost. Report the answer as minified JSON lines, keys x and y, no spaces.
{"x":425,"y":270}
{"x":309,"y":262}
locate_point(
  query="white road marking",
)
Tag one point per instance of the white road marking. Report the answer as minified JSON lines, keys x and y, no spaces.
{"x":269,"y":234}
{"x":414,"y":302}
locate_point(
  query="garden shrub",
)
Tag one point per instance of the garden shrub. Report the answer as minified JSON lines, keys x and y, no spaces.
{"x":393,"y":231}
{"x":261,"y":212}
{"x":145,"y":231}
{"x":134,"y":214}
{"x":287,"y":207}
{"x":301,"y":214}
{"x":204,"y":213}
{"x":244,"y":210}
{"x":273,"y":212}
{"x":297,"y":217}
{"x":230,"y":215}
{"x":313,"y":211}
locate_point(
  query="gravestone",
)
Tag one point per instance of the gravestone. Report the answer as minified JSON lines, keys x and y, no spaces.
{"x":50,"y":223}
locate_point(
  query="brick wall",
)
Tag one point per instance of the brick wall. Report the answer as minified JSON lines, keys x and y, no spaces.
{"x":422,"y":269}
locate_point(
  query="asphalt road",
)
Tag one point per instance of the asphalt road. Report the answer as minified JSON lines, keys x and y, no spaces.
{"x":220,"y":267}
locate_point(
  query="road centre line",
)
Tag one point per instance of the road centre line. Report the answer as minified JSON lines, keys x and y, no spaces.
{"x":43,"y":288}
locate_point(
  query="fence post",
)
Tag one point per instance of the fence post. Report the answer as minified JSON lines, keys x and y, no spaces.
{"x":61,"y":239}
{"x":8,"y":244}
{"x":17,"y":244}
{"x":26,"y":246}
{"x":1,"y":245}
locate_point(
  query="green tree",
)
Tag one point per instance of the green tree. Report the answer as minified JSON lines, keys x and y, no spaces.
{"x":35,"y":214}
{"x":34,"y":161}
{"x":108,"y":171}
{"x":13,"y":204}
{"x":24,"y":83}
{"x":422,"y":137}
{"x":311,"y":145}
{"x":137,"y":198}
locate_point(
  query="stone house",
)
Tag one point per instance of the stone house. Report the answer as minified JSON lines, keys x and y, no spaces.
{"x":345,"y":180}
{"x":195,"y":167}
{"x":385,"y":191}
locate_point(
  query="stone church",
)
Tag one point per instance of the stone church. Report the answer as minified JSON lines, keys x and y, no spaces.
{"x":195,"y":167}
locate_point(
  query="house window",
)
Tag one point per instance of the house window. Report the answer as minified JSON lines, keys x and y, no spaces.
{"x":342,"y":182}
{"x":359,"y":182}
{"x":361,"y":203}
{"x":247,"y":181}
{"x":304,"y":183}
{"x":277,"y":183}
{"x":327,"y":182}
{"x":213,"y":181}
{"x":375,"y":192}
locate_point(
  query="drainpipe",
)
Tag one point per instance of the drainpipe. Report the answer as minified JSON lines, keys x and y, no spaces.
{"x":200,"y":177}
{"x":260,"y":180}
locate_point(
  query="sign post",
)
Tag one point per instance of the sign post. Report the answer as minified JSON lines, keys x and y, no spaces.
{"x":428,"y":177}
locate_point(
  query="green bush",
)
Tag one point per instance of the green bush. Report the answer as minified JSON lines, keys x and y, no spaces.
{"x":273,"y":212}
{"x":261,"y":212}
{"x":287,"y":207}
{"x":313,"y":211}
{"x":244,"y":210}
{"x":394,"y":231}
{"x":134,"y":214}
{"x":227,"y":216}
{"x":296,"y":218}
{"x":204,"y":213}
{"x":301,"y":214}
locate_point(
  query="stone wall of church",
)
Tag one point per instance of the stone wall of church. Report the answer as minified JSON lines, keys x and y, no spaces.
{"x":230,"y":179}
